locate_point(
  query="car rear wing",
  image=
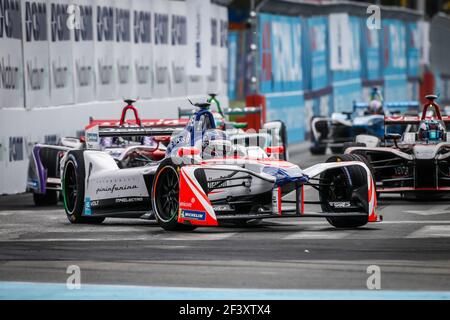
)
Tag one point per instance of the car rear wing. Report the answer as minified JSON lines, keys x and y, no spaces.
{"x":404,"y":120}
{"x":137,"y":127}
{"x":393,"y":107}
{"x":112,"y":128}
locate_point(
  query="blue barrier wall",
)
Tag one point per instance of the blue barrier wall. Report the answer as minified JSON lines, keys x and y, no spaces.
{"x":281,"y":79}
{"x":295,"y":70}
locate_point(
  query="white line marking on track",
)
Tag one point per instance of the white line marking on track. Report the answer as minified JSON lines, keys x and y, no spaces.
{"x":316,"y":235}
{"x":195,"y":236}
{"x":431,"y":232}
{"x":427,"y":212}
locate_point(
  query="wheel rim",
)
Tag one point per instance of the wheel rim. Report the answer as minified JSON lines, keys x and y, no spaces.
{"x":70,"y":188}
{"x":338,"y":189}
{"x":166,"y":194}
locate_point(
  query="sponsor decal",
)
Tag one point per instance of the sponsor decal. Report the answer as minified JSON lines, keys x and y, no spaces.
{"x":194,"y":215}
{"x":92,"y":137}
{"x":32,"y":184}
{"x":340,"y":205}
{"x":87,"y":207}
{"x":188,"y":204}
{"x":214,"y":185}
{"x":95,"y":203}
{"x":129,"y":200}
{"x":116,"y":188}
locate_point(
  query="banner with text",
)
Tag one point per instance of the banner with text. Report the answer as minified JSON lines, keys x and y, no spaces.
{"x":61,"y":53}
{"x":35,"y":53}
{"x":199,"y":37}
{"x":11,"y":63}
{"x":81,"y":22}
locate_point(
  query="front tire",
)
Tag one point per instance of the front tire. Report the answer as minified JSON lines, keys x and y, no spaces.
{"x":339,"y":186}
{"x":165,"y":197}
{"x":73,"y":189}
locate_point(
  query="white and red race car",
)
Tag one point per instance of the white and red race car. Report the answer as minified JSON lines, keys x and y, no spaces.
{"x":418,"y":164}
{"x":206,"y":180}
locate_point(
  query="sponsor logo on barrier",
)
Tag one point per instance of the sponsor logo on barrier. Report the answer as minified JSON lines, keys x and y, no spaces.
{"x":105,"y":24}
{"x":60,"y":74}
{"x":84,"y":74}
{"x":9,"y":75}
{"x":51,"y":139}
{"x":116,"y":188}
{"x":162,"y":73}
{"x":178,"y":73}
{"x":82,"y":20}
{"x":198,"y":40}
{"x":105,"y":72}
{"x":179,"y":30}
{"x":35,"y":76}
{"x":123,"y":32}
{"x":59,"y":30}
{"x":214,"y":32}
{"x":10,"y":19}
{"x":194,"y":215}
{"x":223,"y":34}
{"x":35,"y":21}
{"x":142,"y":25}
{"x":161,"y":28}
{"x":142,"y":73}
{"x":16,"y":149}
{"x":123,"y":73}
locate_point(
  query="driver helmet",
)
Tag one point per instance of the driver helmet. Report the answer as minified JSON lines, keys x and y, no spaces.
{"x":215,"y":144}
{"x":375,"y":107}
{"x":431,"y":130}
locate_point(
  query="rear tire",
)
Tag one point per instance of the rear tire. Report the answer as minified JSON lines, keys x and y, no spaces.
{"x":165,"y":197}
{"x":340,"y":185}
{"x":50,"y":198}
{"x":73,"y":189}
